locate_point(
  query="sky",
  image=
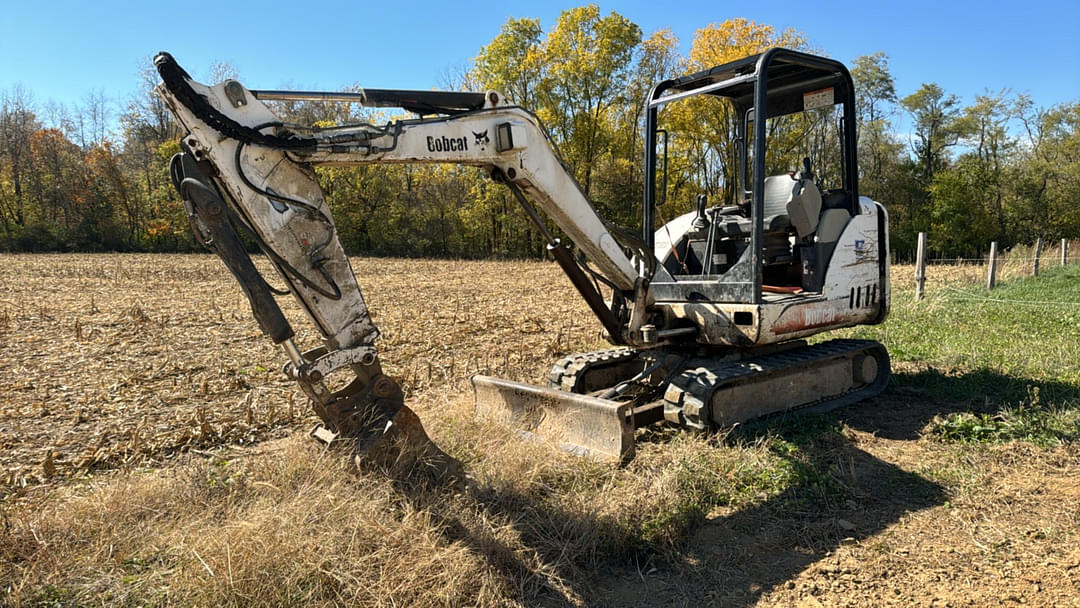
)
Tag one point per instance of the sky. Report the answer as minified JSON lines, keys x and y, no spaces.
{"x":65,"y":50}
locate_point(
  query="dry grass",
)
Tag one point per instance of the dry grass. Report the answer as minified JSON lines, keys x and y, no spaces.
{"x":286,"y":523}
{"x":136,"y":361}
{"x":280,"y":527}
{"x":858,"y":510}
{"x":960,"y":272}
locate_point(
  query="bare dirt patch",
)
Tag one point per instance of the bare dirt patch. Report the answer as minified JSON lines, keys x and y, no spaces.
{"x":921,"y":524}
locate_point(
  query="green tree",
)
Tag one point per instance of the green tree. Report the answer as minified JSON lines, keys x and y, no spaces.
{"x":511,"y":63}
{"x":875,"y":97}
{"x":935,"y":115}
{"x":702,"y":129}
{"x":588,"y":59}
{"x":1046,"y":184}
{"x":960,"y":222}
{"x":17,"y":124}
{"x":618,"y":178}
{"x":984,"y":128}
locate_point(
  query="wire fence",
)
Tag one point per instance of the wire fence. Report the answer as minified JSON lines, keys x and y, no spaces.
{"x":962,"y":273}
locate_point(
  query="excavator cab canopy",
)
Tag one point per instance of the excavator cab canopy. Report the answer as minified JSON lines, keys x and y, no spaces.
{"x":789,"y":75}
{"x":781,"y":112}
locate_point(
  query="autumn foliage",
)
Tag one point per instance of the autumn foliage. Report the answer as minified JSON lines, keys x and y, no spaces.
{"x":997,"y":169}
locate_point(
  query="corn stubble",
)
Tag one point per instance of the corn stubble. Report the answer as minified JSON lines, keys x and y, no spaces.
{"x":149,"y":420}
{"x":154,"y":455}
{"x":127,"y":360}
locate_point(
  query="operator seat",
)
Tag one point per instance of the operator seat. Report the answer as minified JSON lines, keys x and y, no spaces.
{"x":795,"y":199}
{"x":778,"y":191}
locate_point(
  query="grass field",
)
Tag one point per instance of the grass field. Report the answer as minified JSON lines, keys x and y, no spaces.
{"x":154,"y":455}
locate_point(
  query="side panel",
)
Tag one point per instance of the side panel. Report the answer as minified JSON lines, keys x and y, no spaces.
{"x":855,"y":292}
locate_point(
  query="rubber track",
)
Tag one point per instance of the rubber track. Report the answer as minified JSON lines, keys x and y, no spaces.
{"x":691,"y":391}
{"x":565,"y":373}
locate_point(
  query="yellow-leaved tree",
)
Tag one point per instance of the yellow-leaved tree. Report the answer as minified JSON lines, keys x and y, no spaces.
{"x":702,"y":146}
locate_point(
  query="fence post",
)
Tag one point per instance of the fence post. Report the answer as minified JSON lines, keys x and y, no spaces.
{"x":1038,"y":252}
{"x":920,"y":268}
{"x":993,"y":266}
{"x":1064,"y":251}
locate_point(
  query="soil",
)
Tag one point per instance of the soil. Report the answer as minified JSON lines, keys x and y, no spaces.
{"x":1000,"y":528}
{"x":119,"y":360}
{"x":112,"y":361}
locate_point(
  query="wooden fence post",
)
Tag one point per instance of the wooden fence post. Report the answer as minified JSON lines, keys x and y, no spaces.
{"x":1064,"y":251}
{"x":920,"y":268}
{"x":1038,"y":252}
{"x":993,"y":266}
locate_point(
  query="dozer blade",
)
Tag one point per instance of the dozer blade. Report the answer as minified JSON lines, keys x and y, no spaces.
{"x":581,"y":424}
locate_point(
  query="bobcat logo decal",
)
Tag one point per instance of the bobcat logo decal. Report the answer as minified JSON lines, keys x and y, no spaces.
{"x":482,"y":139}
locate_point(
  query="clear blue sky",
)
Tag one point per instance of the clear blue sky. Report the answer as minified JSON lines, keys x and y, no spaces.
{"x":63,"y":50}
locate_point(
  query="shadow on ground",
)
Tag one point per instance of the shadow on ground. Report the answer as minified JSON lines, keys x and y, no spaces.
{"x":841,"y":494}
{"x":844,"y":495}
{"x":915,"y":398}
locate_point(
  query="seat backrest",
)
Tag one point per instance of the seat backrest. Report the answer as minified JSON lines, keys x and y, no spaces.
{"x":778,"y":192}
{"x":832,"y":224}
{"x":804,"y":208}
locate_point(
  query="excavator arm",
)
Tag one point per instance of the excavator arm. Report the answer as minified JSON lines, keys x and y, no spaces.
{"x":710,"y":325}
{"x":243,"y":168}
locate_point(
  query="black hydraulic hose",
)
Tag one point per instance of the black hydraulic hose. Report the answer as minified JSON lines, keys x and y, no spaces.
{"x":335,"y":292}
{"x":176,"y":80}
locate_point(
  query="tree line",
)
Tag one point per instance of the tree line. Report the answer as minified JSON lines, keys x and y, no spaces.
{"x":998,"y":169}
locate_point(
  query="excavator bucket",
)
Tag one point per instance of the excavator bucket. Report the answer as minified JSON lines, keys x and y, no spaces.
{"x":581,"y":424}
{"x":406,"y":451}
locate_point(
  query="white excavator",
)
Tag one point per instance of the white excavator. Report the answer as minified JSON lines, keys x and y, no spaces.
{"x":708,"y":315}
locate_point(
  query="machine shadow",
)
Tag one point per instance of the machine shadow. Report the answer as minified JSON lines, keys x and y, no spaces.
{"x":915,"y":398}
{"x":546,"y":566}
{"x":842,"y":495}
{"x":839,"y":494}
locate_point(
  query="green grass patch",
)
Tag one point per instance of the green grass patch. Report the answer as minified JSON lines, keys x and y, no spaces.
{"x":786,"y":465}
{"x":1012,"y":353}
{"x":1025,"y":328}
{"x":1040,"y":426}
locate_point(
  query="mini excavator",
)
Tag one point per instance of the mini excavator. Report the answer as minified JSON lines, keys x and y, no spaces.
{"x":708,"y":314}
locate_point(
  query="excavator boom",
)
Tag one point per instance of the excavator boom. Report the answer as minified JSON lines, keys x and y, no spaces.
{"x":708,"y":312}
{"x":242,"y":169}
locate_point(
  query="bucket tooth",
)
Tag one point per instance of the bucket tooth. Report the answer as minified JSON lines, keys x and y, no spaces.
{"x":581,"y":424}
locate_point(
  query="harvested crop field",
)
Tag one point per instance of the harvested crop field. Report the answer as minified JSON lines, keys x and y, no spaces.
{"x":153,"y":454}
{"x":119,"y":359}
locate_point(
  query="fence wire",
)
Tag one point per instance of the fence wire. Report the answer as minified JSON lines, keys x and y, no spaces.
{"x":967,"y":295}
{"x":950,"y":272}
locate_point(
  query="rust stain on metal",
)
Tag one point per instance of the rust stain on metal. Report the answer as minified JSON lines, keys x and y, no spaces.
{"x":581,"y":424}
{"x":810,"y":318}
